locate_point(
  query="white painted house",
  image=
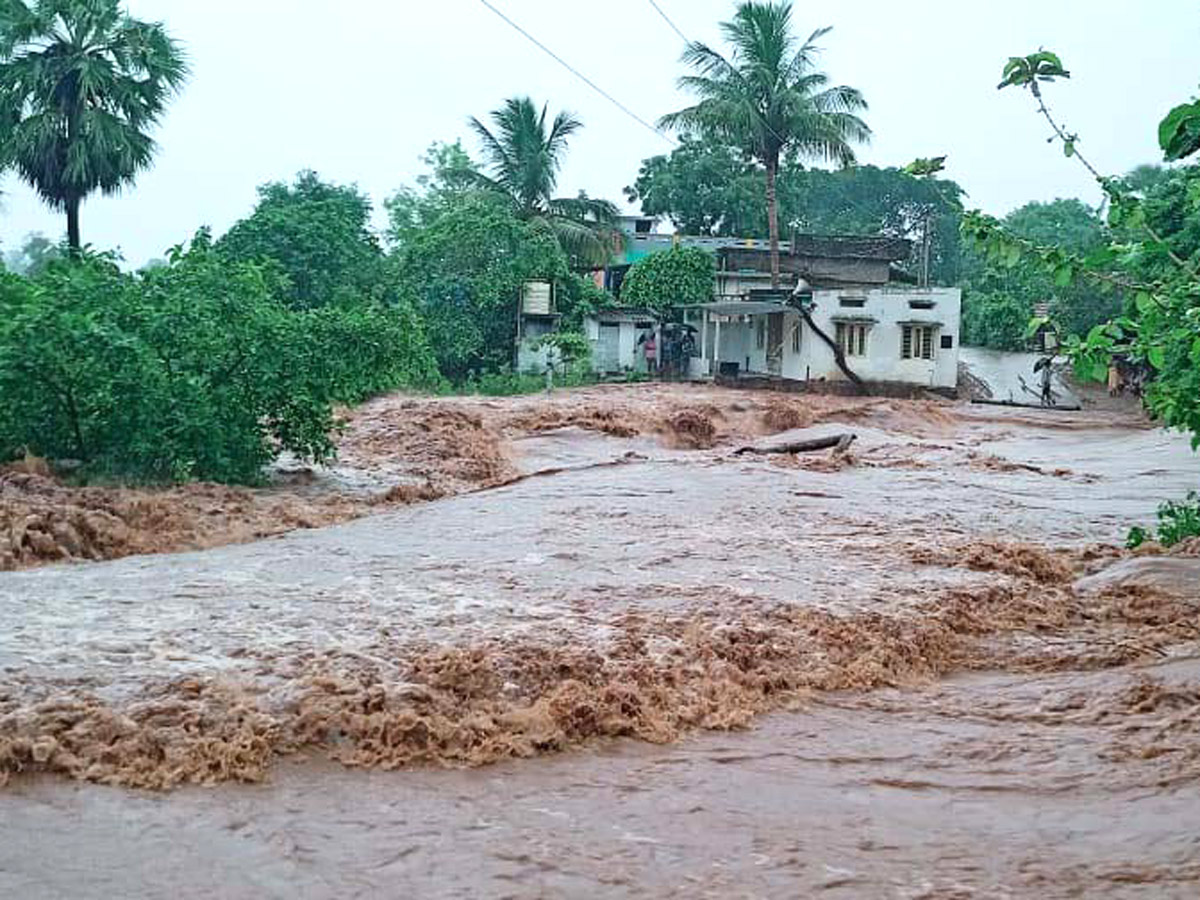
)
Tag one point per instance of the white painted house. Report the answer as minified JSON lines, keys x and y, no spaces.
{"x":896,"y":334}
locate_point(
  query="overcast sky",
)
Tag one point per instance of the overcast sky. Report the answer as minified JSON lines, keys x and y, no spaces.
{"x":357,"y":89}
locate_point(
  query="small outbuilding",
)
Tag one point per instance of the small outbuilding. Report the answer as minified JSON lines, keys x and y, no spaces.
{"x":618,"y":336}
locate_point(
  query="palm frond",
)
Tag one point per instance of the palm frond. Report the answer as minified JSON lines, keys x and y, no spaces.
{"x":81,"y":85}
{"x":523,"y":153}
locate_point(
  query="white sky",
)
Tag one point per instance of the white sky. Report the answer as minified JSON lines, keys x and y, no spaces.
{"x":357,"y":89}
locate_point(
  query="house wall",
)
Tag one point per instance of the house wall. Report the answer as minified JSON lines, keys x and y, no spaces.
{"x":630,"y":355}
{"x":888,"y":309}
{"x":530,"y":357}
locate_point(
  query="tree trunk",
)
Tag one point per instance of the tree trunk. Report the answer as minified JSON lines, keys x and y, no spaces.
{"x":73,"y":241}
{"x":838,"y":356}
{"x":773,"y":218}
{"x":838,"y":442}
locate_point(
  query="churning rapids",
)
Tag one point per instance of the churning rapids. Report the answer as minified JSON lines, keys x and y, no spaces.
{"x":922,"y":669}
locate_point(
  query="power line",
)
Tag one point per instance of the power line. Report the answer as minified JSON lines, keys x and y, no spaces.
{"x":566,"y":65}
{"x":683,"y":37}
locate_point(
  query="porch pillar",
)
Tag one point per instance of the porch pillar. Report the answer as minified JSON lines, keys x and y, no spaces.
{"x":704,"y":342}
{"x":717,"y":348}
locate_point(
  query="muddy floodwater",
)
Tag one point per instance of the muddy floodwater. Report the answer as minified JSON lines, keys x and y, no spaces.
{"x":619,"y":658}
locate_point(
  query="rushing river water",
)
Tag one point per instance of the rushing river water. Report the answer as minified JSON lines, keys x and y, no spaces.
{"x":1076,"y":780}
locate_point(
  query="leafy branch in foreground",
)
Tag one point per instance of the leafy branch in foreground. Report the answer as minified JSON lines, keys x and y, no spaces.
{"x":1161,"y":322}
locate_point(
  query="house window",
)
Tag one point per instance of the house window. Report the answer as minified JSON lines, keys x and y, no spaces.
{"x":852,"y":338}
{"x":796,"y":338}
{"x":760,"y":335}
{"x":916,"y":342}
{"x":852,"y":302}
{"x":921,"y":304}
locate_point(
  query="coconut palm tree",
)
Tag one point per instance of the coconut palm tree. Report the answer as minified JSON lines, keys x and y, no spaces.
{"x":81,"y":84}
{"x":768,"y":98}
{"x":523,"y":154}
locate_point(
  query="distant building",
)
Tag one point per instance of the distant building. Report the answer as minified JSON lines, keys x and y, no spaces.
{"x":888,"y":331}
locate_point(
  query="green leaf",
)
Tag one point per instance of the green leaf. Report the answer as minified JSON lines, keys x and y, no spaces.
{"x":1064,"y":275}
{"x":1144,"y":302}
{"x":1157,"y":358}
{"x":1069,"y":149}
{"x":1179,"y":132}
{"x":1035,"y":325}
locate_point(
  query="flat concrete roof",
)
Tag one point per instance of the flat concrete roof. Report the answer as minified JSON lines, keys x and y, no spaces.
{"x":741,"y":307}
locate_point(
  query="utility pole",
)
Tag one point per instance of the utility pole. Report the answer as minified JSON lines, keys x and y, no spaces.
{"x":926,"y":247}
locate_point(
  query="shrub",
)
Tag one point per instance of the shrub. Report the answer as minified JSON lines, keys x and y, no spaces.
{"x":1176,"y":523}
{"x":675,"y":277}
{"x":191,"y":370}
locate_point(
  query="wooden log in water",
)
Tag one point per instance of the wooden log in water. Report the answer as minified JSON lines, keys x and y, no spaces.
{"x":1019,"y":405}
{"x":839,"y":443}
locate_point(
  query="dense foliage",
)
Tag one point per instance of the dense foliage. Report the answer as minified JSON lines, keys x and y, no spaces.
{"x":708,"y":188}
{"x":316,"y":235}
{"x":465,"y":271}
{"x":677,"y":277}
{"x":191,"y":370}
{"x":1000,"y":299}
{"x":81,"y":85}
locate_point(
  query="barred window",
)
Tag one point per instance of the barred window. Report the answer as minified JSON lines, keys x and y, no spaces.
{"x":852,"y":338}
{"x":917,"y":342}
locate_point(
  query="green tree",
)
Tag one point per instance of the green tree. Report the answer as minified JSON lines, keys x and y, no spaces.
{"x":451,"y":173}
{"x":768,"y":98}
{"x":35,"y":254}
{"x":994,"y":288}
{"x":81,"y":85}
{"x":190,"y":370}
{"x":1171,"y":208}
{"x":998,"y":320}
{"x":523,"y":156}
{"x":316,"y":234}
{"x":706,"y":187}
{"x":465,"y":272}
{"x":1142,"y":179}
{"x":1063,"y":223}
{"x":676,"y":277}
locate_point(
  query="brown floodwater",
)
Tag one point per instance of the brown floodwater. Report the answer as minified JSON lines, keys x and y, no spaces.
{"x":874,"y":676}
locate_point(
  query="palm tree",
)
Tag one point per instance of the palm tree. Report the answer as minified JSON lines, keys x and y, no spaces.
{"x":767,"y":98}
{"x":81,"y":84}
{"x":523,"y":157}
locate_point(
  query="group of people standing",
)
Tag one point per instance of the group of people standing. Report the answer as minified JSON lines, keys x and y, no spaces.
{"x":668,"y":352}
